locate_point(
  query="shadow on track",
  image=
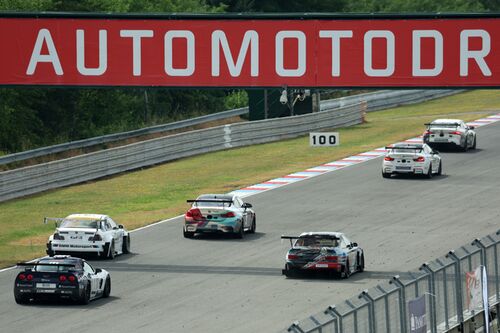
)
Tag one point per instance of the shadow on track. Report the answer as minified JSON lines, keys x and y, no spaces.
{"x":54,"y":303}
{"x":226,"y":237}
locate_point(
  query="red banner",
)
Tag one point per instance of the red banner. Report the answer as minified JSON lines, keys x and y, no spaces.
{"x":444,"y":52}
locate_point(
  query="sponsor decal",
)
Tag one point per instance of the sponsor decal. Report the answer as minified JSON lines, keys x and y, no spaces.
{"x":418,"y":315}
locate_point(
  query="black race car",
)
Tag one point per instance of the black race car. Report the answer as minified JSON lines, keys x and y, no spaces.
{"x":61,"y":277}
{"x":330,"y":252}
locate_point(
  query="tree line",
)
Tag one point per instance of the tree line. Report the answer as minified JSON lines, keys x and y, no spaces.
{"x":32,"y":117}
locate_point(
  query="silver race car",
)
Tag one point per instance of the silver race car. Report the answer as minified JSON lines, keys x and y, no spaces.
{"x":450,"y":133}
{"x":416,"y":159}
{"x":330,"y":252}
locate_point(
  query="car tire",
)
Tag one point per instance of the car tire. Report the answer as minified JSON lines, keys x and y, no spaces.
{"x":464,"y":147}
{"x":126,"y":244}
{"x":361,"y":263}
{"x":289,"y":272}
{"x":254,"y":225}
{"x":21,"y":300}
{"x":346,"y":271}
{"x":475,"y":142}
{"x":440,"y":169}
{"x":241,"y":232}
{"x":429,"y":173}
{"x":49,"y":251}
{"x":85,"y":298}
{"x":111,"y":251}
{"x":107,"y":288}
{"x":386,"y":175}
{"x":187,"y":234}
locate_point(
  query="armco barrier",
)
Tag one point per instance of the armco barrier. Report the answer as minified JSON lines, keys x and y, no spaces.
{"x":446,"y":285}
{"x":376,"y":101}
{"x":33,"y":179}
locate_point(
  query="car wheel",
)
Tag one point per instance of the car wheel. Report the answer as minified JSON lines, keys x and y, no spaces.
{"x":111,"y":252}
{"x":474,"y":144}
{"x":21,"y":300}
{"x":126,"y":244}
{"x":49,"y":251}
{"x":464,"y":147}
{"x":346,"y":270}
{"x":107,"y":288}
{"x":289,"y":272}
{"x":187,"y":234}
{"x":429,"y":173}
{"x":85,"y":298}
{"x":361,"y":263}
{"x":241,"y":233}
{"x":440,"y":169}
{"x":254,"y":225}
{"x":386,"y":175}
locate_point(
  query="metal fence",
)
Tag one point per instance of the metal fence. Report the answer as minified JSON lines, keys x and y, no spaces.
{"x":448,"y":289}
{"x":376,"y":101}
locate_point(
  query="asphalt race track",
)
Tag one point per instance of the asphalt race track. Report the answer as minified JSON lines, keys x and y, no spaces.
{"x":214,"y":284}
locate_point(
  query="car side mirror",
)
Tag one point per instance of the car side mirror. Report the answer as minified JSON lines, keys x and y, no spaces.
{"x":120,"y":226}
{"x":98,"y":270}
{"x":354,"y":244}
{"x":246,"y":205}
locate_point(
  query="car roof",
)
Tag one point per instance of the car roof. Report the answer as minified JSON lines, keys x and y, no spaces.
{"x":62,"y":260}
{"x":216,"y":196}
{"x":445,"y":121}
{"x":87,"y":216}
{"x":322,"y":233}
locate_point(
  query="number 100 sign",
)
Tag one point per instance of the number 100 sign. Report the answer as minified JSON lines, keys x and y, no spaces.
{"x":324,"y":139}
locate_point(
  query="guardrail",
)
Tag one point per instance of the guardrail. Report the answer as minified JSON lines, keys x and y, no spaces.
{"x":33,"y":179}
{"x":21,"y":156}
{"x":376,"y":101}
{"x":443,"y":296}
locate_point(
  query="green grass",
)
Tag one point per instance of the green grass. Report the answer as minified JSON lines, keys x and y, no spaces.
{"x":142,"y":197}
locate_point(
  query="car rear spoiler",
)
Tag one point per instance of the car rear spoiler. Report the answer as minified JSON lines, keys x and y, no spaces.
{"x":406,"y":147}
{"x":443,"y":125}
{"x":210,"y":200}
{"x":291,"y":238}
{"x":27,"y":264}
{"x":312,"y":236}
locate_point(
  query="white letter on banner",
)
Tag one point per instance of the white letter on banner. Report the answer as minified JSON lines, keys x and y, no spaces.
{"x":417,"y":52}
{"x":136,"y":36}
{"x":80,"y":54}
{"x":250,"y":39}
{"x":389,"y":36}
{"x":44,"y":37}
{"x":190,"y":61}
{"x":335,"y":36}
{"x":466,"y":54}
{"x":301,"y":66}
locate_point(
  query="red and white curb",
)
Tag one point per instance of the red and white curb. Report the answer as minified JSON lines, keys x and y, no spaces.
{"x":336,"y":165}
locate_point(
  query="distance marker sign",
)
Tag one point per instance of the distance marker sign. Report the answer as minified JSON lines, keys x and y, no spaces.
{"x":324,"y":139}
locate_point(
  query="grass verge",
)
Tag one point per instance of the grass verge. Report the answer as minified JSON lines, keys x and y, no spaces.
{"x":146,"y":196}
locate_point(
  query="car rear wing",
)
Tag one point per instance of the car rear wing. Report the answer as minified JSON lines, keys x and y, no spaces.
{"x":404,"y":148}
{"x":34,"y":264}
{"x":59,"y":220}
{"x":443,"y":125}
{"x":222,"y":201}
{"x":291,"y":238}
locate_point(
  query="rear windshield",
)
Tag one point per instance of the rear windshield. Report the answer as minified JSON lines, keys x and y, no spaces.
{"x":444,"y":125}
{"x":317,"y":242}
{"x":79,"y":224}
{"x":54,"y":268}
{"x":406,"y":151}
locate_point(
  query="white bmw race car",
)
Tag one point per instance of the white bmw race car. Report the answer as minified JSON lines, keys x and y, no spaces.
{"x":450,"y":132}
{"x":88,"y":233}
{"x":418,"y":159}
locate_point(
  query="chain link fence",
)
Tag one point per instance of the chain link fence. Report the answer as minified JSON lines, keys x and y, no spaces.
{"x":448,"y":294}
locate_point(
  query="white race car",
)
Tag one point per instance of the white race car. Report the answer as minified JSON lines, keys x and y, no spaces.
{"x":88,"y":233}
{"x":450,"y":132}
{"x":418,"y":159}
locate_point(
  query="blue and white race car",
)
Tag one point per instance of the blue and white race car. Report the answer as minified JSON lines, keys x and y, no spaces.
{"x":330,"y":252}
{"x":219,"y":213}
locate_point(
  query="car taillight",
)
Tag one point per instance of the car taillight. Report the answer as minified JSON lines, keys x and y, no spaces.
{"x":419,"y":159}
{"x":228,"y":214}
{"x":29,"y":277}
{"x":194,"y":213}
{"x":96,"y":237}
{"x":71,"y":278}
{"x":428,"y":132}
{"x":456,"y":133}
{"x":62,"y":278}
{"x":388,"y":158}
{"x":332,"y":258}
{"x":292,"y":256}
{"x":58,"y":237}
{"x":22,"y":277}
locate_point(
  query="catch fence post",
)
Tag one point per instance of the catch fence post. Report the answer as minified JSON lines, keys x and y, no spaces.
{"x":339,"y":327}
{"x":371,"y":310}
{"x":402,"y":302}
{"x":432,"y":293}
{"x":458,"y":285}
